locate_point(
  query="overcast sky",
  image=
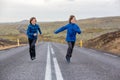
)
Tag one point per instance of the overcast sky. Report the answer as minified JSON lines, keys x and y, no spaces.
{"x":56,"y":10}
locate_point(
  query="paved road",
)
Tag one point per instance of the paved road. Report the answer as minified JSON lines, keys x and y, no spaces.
{"x":87,"y":64}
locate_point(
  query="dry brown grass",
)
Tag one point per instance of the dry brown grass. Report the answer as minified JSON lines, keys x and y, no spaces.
{"x":91,"y":28}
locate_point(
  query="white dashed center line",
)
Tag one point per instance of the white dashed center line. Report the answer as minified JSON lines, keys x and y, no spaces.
{"x":48,"y":74}
{"x":48,"y":66}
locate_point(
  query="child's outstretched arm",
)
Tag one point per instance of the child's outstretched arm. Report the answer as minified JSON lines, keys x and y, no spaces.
{"x":61,"y":29}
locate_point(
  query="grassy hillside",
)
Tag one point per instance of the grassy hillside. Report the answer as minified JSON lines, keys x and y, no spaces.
{"x":107,"y":42}
{"x":91,"y":28}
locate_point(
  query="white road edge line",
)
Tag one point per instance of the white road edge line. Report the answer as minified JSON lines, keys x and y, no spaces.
{"x":57,"y":68}
{"x":105,"y":53}
{"x":48,"y":66}
{"x":110,"y":55}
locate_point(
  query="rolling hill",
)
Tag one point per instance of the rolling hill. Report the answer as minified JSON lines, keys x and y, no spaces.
{"x":107,"y":42}
{"x":91,"y":28}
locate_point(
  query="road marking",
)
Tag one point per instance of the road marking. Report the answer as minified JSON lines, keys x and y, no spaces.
{"x":48,"y":66}
{"x":48,"y":73}
{"x":110,"y":55}
{"x":92,"y":50}
{"x":57,"y":68}
{"x":52,"y":51}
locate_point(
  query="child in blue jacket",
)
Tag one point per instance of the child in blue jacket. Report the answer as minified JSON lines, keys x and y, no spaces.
{"x":72,"y":29}
{"x":32,"y":33}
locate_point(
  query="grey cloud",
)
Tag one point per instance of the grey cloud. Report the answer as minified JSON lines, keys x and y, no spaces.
{"x":1,"y":4}
{"x":47,"y":0}
{"x":55,"y":12}
{"x":117,"y":2}
{"x":71,"y":0}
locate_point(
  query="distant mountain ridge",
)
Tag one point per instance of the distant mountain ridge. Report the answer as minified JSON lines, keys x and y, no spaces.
{"x":89,"y":20}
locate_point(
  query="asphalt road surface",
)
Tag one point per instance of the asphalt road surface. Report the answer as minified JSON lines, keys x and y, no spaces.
{"x":50,"y":64}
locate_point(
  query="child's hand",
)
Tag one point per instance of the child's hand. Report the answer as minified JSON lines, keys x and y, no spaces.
{"x":55,"y":32}
{"x":35,"y":34}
